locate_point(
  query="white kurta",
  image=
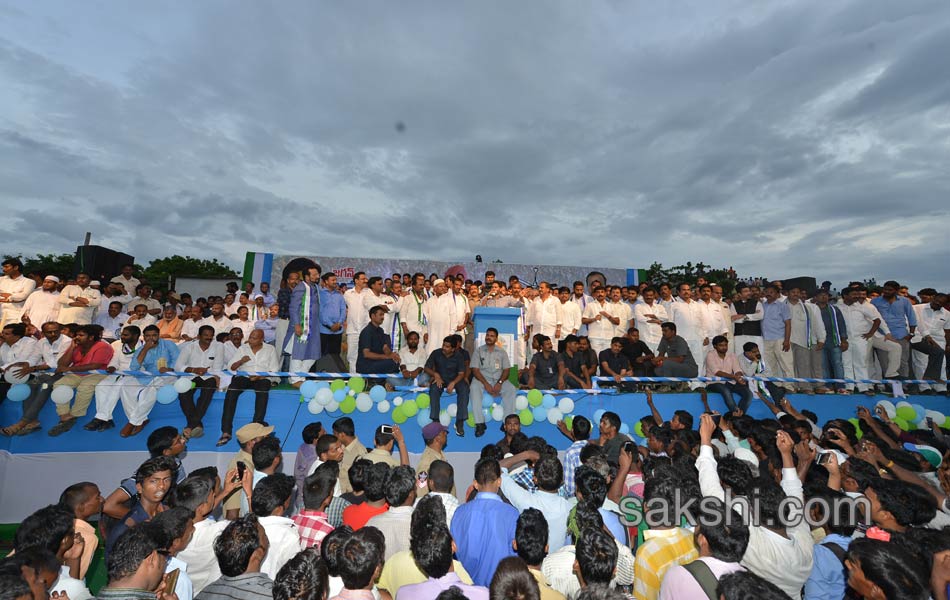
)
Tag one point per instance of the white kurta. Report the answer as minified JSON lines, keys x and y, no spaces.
{"x":78,"y":314}
{"x":548,"y":316}
{"x":714,"y":318}
{"x":411,"y":313}
{"x":42,"y":307}
{"x":650,"y":333}
{"x":440,"y":312}
{"x":570,"y":319}
{"x":622,"y":310}
{"x":19,"y":290}
{"x":370,"y":300}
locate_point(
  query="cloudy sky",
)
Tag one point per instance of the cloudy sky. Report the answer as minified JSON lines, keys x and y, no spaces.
{"x":782,"y":138}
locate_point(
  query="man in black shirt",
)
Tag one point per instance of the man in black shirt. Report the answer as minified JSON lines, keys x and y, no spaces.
{"x":573,"y":370}
{"x":446,"y":367}
{"x":614,"y":363}
{"x":544,"y":370}
{"x":639,"y":353}
{"x":375,"y":354}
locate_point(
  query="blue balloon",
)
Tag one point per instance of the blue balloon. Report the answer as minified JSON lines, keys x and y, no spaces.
{"x":18,"y":393}
{"x":624,"y":429}
{"x":308,"y":389}
{"x":548,"y":401}
{"x":422,"y":418}
{"x":598,"y":414}
{"x":920,"y":410}
{"x":540,"y":413}
{"x":166,"y":394}
{"x":377,"y":393}
{"x":487,"y":401}
{"x":339,"y":395}
{"x":323,"y":384}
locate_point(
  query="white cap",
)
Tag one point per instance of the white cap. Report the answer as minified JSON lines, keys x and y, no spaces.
{"x":437,"y":282}
{"x":94,"y":283}
{"x":51,"y":278}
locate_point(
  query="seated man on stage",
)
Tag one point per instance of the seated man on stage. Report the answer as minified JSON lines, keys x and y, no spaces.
{"x":375,"y":353}
{"x":412,"y":363}
{"x":722,"y":363}
{"x":109,"y":390}
{"x":255,"y":355}
{"x":673,"y":356}
{"x":446,"y":367}
{"x":639,"y":353}
{"x":203,"y":355}
{"x":544,"y":369}
{"x":614,"y":363}
{"x":573,"y":370}
{"x":139,"y":393}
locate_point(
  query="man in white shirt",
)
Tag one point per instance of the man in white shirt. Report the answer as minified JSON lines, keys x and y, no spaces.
{"x":716,"y":321}
{"x":217,"y":320}
{"x":140,"y":317}
{"x":144,"y":296}
{"x":112,"y":321}
{"x":601,"y":322}
{"x":807,"y":338}
{"x":78,"y":302}
{"x":622,"y":310}
{"x":717,"y":297}
{"x":865,"y":326}
{"x":192,"y":323}
{"x":14,"y":290}
{"x":374,"y":296}
{"x":411,"y":313}
{"x":649,"y":315}
{"x":271,"y":502}
{"x":690,"y":323}
{"x":18,"y":352}
{"x":462,"y":307}
{"x":127,"y":280}
{"x":570,"y":317}
{"x":931,"y":339}
{"x":412,"y":362}
{"x":198,"y":358}
{"x":440,"y":314}
{"x":243,"y":322}
{"x":114,"y":292}
{"x":357,"y":317}
{"x":109,"y":390}
{"x":42,"y":306}
{"x":265,"y":294}
{"x":255,"y":355}
{"x":49,"y":348}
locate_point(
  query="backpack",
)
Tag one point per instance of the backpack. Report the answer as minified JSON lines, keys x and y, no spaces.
{"x":704,"y":577}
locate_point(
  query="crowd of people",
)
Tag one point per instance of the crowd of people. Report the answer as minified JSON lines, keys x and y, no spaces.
{"x":704,"y":506}
{"x":418,"y":331}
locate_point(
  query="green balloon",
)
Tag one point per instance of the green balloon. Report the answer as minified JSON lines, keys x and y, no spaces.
{"x":348,"y":405}
{"x":907,"y":413}
{"x":638,"y":429}
{"x":398,"y":415}
{"x":526,"y":417}
{"x":410,"y":408}
{"x":470,"y":420}
{"x":337,"y":384}
{"x":423,"y":400}
{"x":535,"y":397}
{"x":357,"y":384}
{"x":902,"y":423}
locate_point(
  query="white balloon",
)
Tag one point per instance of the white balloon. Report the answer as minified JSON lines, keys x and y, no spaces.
{"x":333,"y":406}
{"x":397,"y":401}
{"x":183,"y":385}
{"x":364,"y":402}
{"x":521,"y":403}
{"x":314,"y":407}
{"x":938,"y":417}
{"x":351,"y":393}
{"x":324,"y":396}
{"x":383,"y":406}
{"x":445,"y":419}
{"x":497,"y":413}
{"x":452,"y":410}
{"x":566,"y":406}
{"x":554,"y":415}
{"x":61,"y":394}
{"x":12,"y":378}
{"x":900,"y":404}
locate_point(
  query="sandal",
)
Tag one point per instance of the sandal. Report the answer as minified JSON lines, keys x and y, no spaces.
{"x":11,"y":430}
{"x":224,"y":439}
{"x":28,"y":429}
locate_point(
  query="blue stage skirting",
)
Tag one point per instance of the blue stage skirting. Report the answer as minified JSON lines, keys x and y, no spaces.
{"x":289,"y":416}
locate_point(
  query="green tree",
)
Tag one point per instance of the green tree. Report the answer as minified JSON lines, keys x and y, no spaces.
{"x":60,"y":265}
{"x":689,"y":273}
{"x":159,"y":270}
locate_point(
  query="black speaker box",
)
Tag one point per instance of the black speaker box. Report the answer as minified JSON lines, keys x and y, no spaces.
{"x":99,"y":262}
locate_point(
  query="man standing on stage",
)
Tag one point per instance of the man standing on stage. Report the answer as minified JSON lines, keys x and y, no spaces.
{"x":305,"y":323}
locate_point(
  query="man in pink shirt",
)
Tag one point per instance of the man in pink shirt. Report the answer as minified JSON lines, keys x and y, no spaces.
{"x":723,"y":363}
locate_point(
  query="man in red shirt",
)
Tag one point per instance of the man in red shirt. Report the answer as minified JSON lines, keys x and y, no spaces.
{"x":87,"y":353}
{"x":374,"y":489}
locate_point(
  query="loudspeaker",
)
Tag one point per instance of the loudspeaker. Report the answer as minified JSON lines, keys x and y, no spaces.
{"x":99,"y":262}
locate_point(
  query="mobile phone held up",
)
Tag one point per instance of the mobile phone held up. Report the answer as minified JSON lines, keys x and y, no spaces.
{"x":241,"y":467}
{"x":386,"y":429}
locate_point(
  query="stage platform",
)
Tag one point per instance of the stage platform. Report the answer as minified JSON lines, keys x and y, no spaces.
{"x":35,"y":468}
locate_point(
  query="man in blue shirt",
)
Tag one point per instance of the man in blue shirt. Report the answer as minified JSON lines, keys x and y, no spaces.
{"x":899,"y":315}
{"x":332,"y":315}
{"x":828,"y":577}
{"x":777,"y":335}
{"x":484,"y":528}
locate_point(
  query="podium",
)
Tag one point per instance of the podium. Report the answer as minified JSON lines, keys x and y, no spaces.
{"x":505,"y":320}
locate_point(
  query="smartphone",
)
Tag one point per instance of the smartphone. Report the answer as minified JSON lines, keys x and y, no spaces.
{"x":630,"y":447}
{"x":241,"y":468}
{"x":824,"y":458}
{"x":387,"y":429}
{"x":171,"y":580}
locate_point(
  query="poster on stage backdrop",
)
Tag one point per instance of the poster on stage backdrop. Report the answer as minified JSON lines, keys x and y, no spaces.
{"x":346,"y":267}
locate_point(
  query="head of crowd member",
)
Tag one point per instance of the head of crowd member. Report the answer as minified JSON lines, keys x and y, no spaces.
{"x":360,"y":558}
{"x":746,"y":585}
{"x":610,"y":425}
{"x":682,"y":420}
{"x":396,"y":289}
{"x":547,"y":346}
{"x":615,"y":295}
{"x":344,"y":429}
{"x":600,"y":294}
{"x":591,"y":488}
{"x":583,"y":343}
{"x":312,"y":432}
{"x":879,"y":570}
{"x":548,"y":473}
{"x":448,"y":345}
{"x":721,"y":534}
{"x":684,"y":292}
{"x":217,"y":309}
{"x":375,"y":284}
{"x":616,"y":345}
{"x":51,"y":528}
{"x":28,"y":575}
{"x":12,"y":267}
{"x":751,"y":351}
{"x":329,"y":448}
{"x":374,"y":482}
{"x":383,"y":440}
{"x":895,"y":506}
{"x":441,"y":477}
{"x":401,"y":486}
{"x":580,"y":428}
{"x":173,"y":529}
{"x":51,"y":331}
{"x":596,"y":557}
{"x":169,"y":313}
{"x":13,"y":333}
{"x":435,"y":436}
{"x":668,"y":330}
{"x":531,"y":537}
{"x":153,"y":479}
{"x":431,"y":542}
{"x":633,"y":336}
{"x":114,"y":309}
{"x":318,"y":487}
{"x":303,"y":577}
{"x":267,"y":455}
{"x":511,"y":425}
{"x":377,"y":315}
{"x":195,"y":493}
{"x":272,"y":495}
{"x":236,"y":336}
{"x":241,"y":547}
{"x":136,"y":561}
{"x":412,"y":341}
{"x":140,"y":311}
{"x":512,"y":579}
{"x":571,"y":343}
{"x":82,"y":499}
{"x":487,"y":475}
{"x":357,"y":474}
{"x":165,"y":441}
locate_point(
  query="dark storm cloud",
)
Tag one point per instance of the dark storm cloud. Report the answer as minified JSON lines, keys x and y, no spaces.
{"x":781,"y":138}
